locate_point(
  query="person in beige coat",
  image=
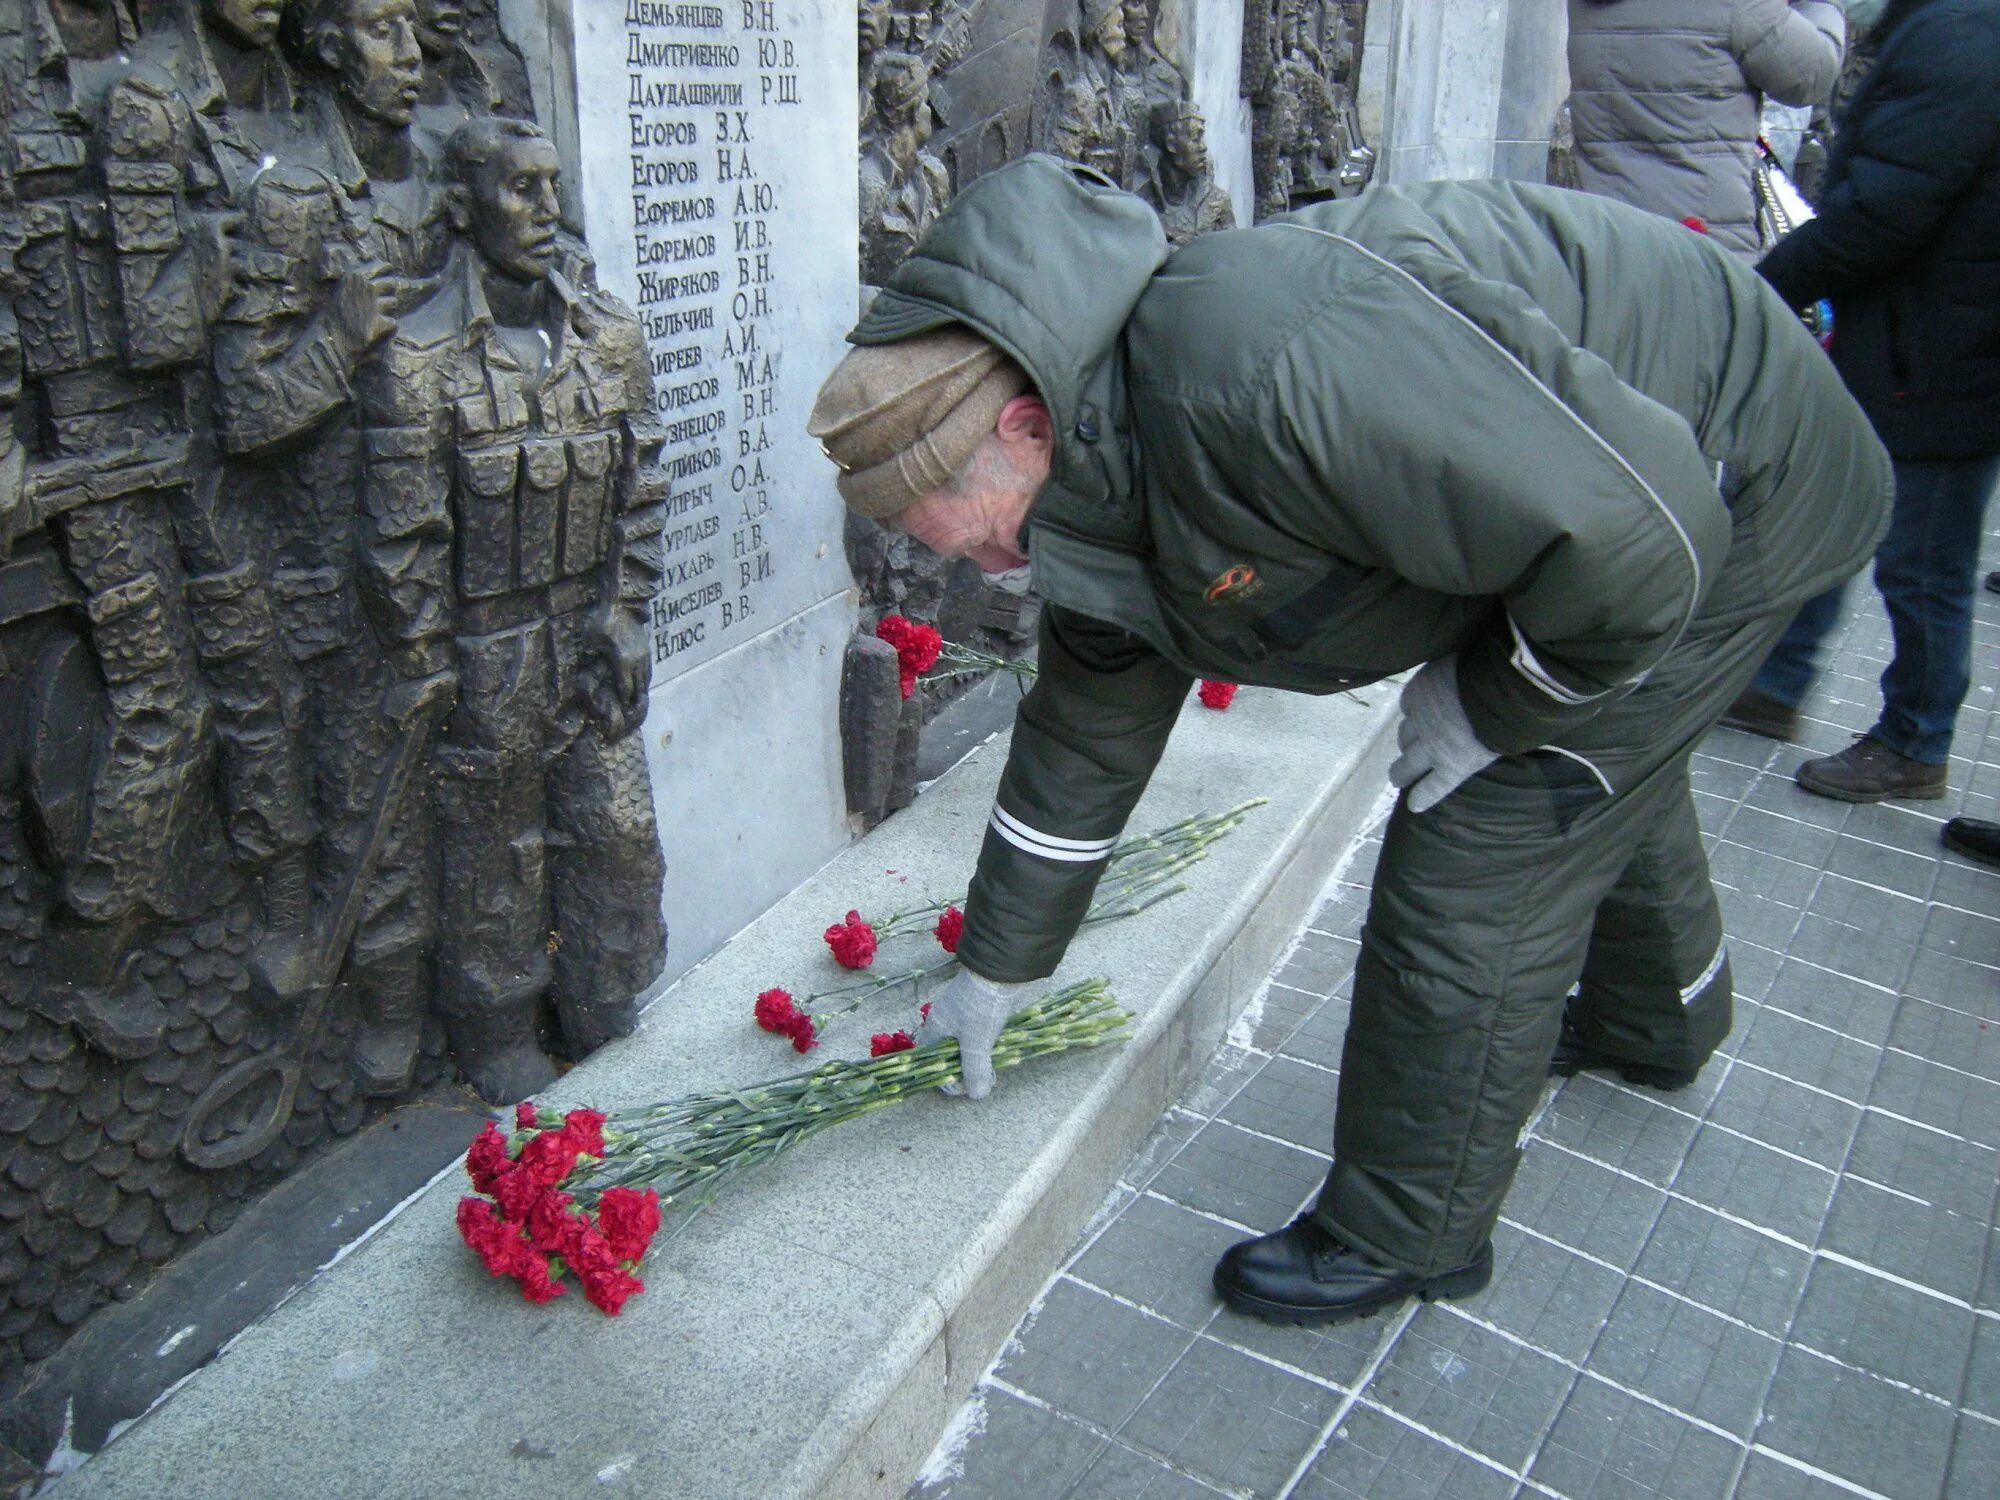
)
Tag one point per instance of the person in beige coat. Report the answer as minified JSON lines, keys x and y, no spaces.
{"x":1665,"y":97}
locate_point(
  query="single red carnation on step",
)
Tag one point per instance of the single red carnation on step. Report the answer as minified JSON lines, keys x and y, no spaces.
{"x":917,"y":647}
{"x":524,"y":1116}
{"x":852,"y":942}
{"x":949,"y":928}
{"x":884,"y":1042}
{"x":775,"y":1011}
{"x":1217,"y":695}
{"x":628,"y":1219}
{"x":804,"y":1035}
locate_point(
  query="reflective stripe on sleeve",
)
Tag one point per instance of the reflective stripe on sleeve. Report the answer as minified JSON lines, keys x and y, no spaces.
{"x":1047,"y":845}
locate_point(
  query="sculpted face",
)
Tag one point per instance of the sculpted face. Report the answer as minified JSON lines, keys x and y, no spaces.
{"x":873,"y":22}
{"x":440,"y":24}
{"x":1110,"y":34}
{"x":378,"y":60}
{"x":1187,"y":143}
{"x":254,"y":23}
{"x":513,"y":208}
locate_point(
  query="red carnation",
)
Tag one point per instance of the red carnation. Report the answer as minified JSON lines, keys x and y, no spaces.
{"x":884,"y":1042}
{"x":852,"y":942}
{"x":494,"y":1242}
{"x":550,"y":1224}
{"x":516,"y":1191}
{"x":524,"y":1116}
{"x":775,"y":1011}
{"x":949,"y":928}
{"x":537,"y":1277}
{"x":585,"y":1127}
{"x":546,"y":1160}
{"x":924,"y":1011}
{"x":804,"y":1035}
{"x":917,"y":647}
{"x":1217,"y":695}
{"x":486,"y":1161}
{"x":1694,"y":223}
{"x":629,"y":1219}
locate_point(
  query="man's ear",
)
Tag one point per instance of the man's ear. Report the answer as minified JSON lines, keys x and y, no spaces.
{"x":1026,"y":419}
{"x":458,"y":207}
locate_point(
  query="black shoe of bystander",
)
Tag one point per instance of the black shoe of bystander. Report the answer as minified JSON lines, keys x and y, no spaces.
{"x":1304,"y":1274}
{"x":1975,"y":838}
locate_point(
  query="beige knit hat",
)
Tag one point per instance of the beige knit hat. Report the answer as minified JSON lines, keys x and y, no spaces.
{"x":900,"y":419}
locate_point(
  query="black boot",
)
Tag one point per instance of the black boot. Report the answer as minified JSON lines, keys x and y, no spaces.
{"x":1975,"y":838}
{"x":1303,"y":1274}
{"x":1573,"y":1055}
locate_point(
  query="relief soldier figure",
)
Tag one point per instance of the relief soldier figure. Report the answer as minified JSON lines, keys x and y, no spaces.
{"x":1191,"y":201}
{"x":366,"y":58}
{"x":903,"y":187}
{"x":462,"y":76}
{"x":510,"y":543}
{"x":146,"y":630}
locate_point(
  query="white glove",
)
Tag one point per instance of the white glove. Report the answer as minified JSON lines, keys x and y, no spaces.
{"x":973,"y":1010}
{"x":1440,"y":751}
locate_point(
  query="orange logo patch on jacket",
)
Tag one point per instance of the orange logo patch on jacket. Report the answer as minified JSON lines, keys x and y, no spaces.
{"x":1233,"y":584}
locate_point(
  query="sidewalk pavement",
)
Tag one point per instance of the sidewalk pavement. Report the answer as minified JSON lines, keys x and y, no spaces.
{"x":1780,"y":1284}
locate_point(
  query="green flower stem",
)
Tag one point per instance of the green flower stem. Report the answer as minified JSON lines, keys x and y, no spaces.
{"x":688,"y":1149}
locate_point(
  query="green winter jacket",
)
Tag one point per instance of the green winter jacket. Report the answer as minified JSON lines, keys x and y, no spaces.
{"x":1475,"y":417}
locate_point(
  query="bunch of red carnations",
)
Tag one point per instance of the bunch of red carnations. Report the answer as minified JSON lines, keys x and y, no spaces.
{"x":917,"y":647}
{"x":529,"y":1228}
{"x":584,"y":1198}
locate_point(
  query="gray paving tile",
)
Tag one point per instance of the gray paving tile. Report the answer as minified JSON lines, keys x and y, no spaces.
{"x":1875,"y":1325}
{"x":1232,"y":1421}
{"x":1862,"y":1011}
{"x":1738,"y":748}
{"x":1583,"y":1205}
{"x":1634,"y":1130}
{"x":1017,"y":1450}
{"x":1786,"y":1115}
{"x":1961,"y":882}
{"x":1771,"y":876}
{"x":1373,"y":1456}
{"x":1714,"y":814}
{"x":1753,"y":1182}
{"x":1752,"y":968}
{"x":1750,"y":917}
{"x":1963,"y":934}
{"x":1954,"y":1174}
{"x":1607,"y":1445}
{"x":1768,"y":1478}
{"x":1719,"y":1263}
{"x":1885,"y":912}
{"x":1982,"y":1374}
{"x":1289,"y":1100}
{"x":1319,"y":963}
{"x":1470,"y":1385}
{"x":1955,"y":1102}
{"x":1276,"y":1013}
{"x":1090,"y":1357}
{"x":1691,"y":1360}
{"x":1948,"y":1036}
{"x":1856,"y":1427}
{"x":1340,"y":1353}
{"x":1721,"y":777}
{"x":1899,"y":825}
{"x":1241,"y":1176}
{"x":1865,"y":953}
{"x":1969,"y":987}
{"x":1975,"y":1461}
{"x":1121,"y":1474}
{"x":1882,"y":866}
{"x":1222,"y":1079}
{"x":1917,"y":1241}
{"x":1320,"y":1037}
{"x":1778,"y":793}
{"x":1163,"y":1143}
{"x":1795,"y":1048}
{"x":1343,"y":910}
{"x":1160,"y":1256}
{"x":1545,"y":1295}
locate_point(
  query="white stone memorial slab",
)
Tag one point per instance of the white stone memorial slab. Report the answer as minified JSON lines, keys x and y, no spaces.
{"x":715,"y":172}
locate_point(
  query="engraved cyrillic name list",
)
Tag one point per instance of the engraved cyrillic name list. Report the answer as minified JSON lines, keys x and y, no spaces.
{"x":708,"y":86}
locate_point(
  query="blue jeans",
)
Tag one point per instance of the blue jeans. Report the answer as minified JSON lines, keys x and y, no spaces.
{"x":1927,"y":568}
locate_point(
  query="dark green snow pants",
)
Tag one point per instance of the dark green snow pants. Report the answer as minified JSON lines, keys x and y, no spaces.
{"x":1529,"y":880}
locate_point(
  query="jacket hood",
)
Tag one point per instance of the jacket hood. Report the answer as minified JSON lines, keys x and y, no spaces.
{"x":1047,"y":260}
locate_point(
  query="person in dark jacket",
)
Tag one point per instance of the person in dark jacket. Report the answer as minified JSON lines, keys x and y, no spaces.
{"x":1906,"y":245}
{"x":1474,"y":429}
